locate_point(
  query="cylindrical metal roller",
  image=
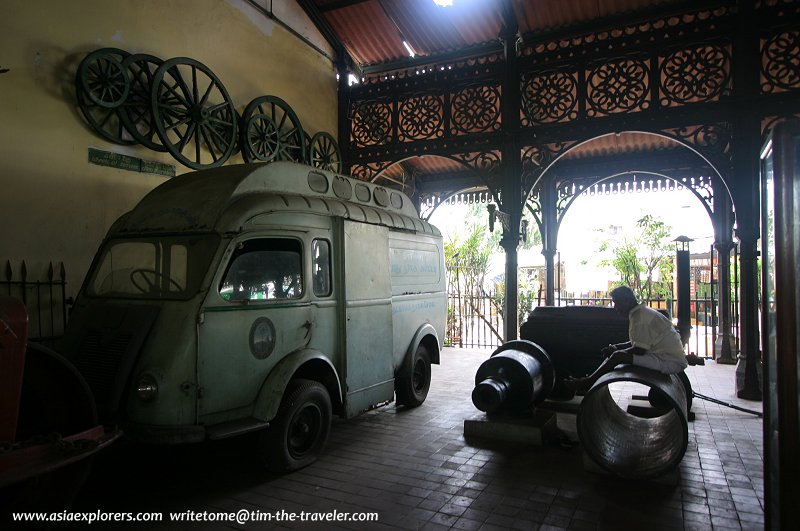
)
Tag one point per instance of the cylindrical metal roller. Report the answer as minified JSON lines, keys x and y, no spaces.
{"x":518,"y":375}
{"x":630,"y":446}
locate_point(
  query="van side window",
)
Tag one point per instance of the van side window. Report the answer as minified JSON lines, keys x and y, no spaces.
{"x":264,"y":269}
{"x":321,"y":267}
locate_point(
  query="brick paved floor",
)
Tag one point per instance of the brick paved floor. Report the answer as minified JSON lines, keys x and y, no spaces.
{"x":414,"y":468}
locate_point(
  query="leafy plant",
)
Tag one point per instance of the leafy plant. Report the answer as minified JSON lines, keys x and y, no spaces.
{"x":643,"y":260}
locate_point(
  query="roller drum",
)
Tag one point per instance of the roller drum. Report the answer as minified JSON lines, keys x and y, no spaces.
{"x":630,"y":446}
{"x":518,"y":375}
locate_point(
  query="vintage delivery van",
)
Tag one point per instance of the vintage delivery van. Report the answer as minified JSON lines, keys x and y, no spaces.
{"x":260,"y":297}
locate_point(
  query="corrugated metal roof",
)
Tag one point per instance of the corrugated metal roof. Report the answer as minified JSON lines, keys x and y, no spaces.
{"x":373,"y":31}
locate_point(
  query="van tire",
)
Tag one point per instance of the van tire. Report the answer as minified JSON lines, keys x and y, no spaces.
{"x":414,"y":381}
{"x":297,"y":435}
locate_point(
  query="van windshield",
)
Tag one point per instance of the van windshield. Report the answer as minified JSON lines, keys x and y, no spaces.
{"x":163,"y":267}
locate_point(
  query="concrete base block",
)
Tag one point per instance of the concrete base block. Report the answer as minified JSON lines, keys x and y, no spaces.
{"x":533,"y":429}
{"x":643,"y":409}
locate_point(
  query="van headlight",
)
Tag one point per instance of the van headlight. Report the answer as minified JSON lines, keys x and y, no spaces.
{"x":147,"y":387}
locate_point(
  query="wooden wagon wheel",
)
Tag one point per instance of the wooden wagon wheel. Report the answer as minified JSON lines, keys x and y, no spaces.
{"x":271,"y":131}
{"x":136,"y":113}
{"x":101,"y":88}
{"x":323,"y":152}
{"x":103,"y":79}
{"x":193,"y":114}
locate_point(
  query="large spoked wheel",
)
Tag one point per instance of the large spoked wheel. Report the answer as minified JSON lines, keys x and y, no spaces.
{"x":297,"y":435}
{"x":271,"y":131}
{"x":136,"y":113}
{"x":193,"y":114}
{"x":414,"y":381}
{"x":324,"y":152}
{"x":101,"y":89}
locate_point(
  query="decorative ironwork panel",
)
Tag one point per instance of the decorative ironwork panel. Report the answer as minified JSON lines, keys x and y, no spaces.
{"x":484,"y":160}
{"x":769,"y":123}
{"x":432,"y":200}
{"x":538,"y":157}
{"x":617,"y":86}
{"x":656,"y":33}
{"x":368,"y":171}
{"x":634,"y":182}
{"x":696,"y":74}
{"x":780,"y":62}
{"x":549,"y":97}
{"x":475,"y":109}
{"x":710,"y":140}
{"x":420,"y":118}
{"x":371,"y":123}
{"x":533,"y":203}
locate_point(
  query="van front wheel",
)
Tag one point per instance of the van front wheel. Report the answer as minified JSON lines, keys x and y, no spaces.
{"x":297,"y":435}
{"x":414,"y":380}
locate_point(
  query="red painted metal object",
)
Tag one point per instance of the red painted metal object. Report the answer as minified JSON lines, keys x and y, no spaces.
{"x":48,"y":420}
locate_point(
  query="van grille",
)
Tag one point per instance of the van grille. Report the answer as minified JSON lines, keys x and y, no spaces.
{"x":99,"y":362}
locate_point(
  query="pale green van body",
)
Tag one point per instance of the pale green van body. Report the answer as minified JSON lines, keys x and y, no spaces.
{"x":221,"y":286}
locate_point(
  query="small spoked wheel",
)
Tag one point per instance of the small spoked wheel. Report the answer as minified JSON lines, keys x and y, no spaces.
{"x":136,"y":113}
{"x":297,"y":435}
{"x":194,"y":116}
{"x":271,"y":131}
{"x":262,"y":138}
{"x":414,"y":380}
{"x":324,"y":152}
{"x":101,"y":89}
{"x":103,"y":79}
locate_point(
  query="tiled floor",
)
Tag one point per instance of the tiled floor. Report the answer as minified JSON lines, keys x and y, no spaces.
{"x":414,"y":468}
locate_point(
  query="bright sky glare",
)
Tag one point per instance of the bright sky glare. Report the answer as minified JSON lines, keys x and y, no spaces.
{"x":579,"y":237}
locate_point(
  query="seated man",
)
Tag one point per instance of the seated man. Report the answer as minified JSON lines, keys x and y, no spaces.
{"x":654,"y":342}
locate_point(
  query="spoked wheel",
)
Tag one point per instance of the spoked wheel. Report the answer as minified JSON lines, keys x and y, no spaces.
{"x":101,"y":88}
{"x":136,"y":113}
{"x":193,"y":114}
{"x":414,"y":381}
{"x":297,"y":435}
{"x":324,"y":152}
{"x":271,"y":131}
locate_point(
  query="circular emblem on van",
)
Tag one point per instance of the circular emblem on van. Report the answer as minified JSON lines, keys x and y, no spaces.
{"x":262,"y":338}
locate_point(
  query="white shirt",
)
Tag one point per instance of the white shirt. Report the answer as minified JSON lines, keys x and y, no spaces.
{"x":654,"y":332}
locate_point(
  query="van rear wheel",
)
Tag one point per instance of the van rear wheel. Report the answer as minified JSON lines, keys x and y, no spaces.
{"x":414,"y":381}
{"x":297,"y":435}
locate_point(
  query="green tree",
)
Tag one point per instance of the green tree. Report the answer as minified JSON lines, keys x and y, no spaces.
{"x":643,"y":257}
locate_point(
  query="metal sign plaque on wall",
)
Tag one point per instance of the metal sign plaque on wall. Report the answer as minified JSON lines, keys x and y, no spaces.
{"x":126,"y":162}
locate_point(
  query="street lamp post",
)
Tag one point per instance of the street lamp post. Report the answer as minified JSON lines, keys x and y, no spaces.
{"x":683,"y":286}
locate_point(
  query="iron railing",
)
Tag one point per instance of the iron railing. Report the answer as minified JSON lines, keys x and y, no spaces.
{"x":45,"y":299}
{"x":475,"y":318}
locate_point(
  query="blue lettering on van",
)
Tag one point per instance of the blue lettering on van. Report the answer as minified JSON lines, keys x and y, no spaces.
{"x":412,"y":306}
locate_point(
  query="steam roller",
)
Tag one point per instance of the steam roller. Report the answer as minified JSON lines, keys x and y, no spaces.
{"x":521,"y":375}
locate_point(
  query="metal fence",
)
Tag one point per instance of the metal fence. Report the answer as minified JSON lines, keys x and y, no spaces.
{"x":475,"y":317}
{"x":45,"y":299}
{"x":474,"y":320}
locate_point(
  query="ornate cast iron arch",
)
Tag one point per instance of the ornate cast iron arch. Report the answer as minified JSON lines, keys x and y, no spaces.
{"x":700,"y":187}
{"x":468,"y":195}
{"x":709,"y":142}
{"x":482,"y":165}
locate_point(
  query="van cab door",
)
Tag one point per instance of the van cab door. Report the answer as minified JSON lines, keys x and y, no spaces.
{"x":368,"y":316}
{"x":257,"y":311}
